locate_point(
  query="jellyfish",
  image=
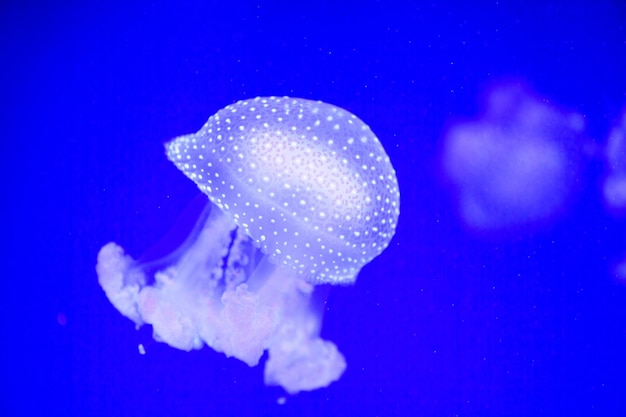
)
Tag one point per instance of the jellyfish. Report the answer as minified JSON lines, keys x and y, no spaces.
{"x":614,"y":187}
{"x":301,"y":194}
{"x":517,"y":165}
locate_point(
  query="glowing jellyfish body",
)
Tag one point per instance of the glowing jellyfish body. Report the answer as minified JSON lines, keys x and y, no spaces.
{"x":308,"y":182}
{"x":615,"y":182}
{"x":517,"y":165}
{"x":303,"y":194}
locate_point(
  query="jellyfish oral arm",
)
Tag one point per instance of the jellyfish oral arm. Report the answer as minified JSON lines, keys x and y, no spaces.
{"x":205,"y":298}
{"x":112,"y":267}
{"x":299,"y":361}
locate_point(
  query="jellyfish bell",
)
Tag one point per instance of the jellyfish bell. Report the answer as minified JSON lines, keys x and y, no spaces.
{"x":302,"y":193}
{"x":309,"y":182}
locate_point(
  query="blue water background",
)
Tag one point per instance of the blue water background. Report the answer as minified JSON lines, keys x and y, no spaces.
{"x":442,"y":323}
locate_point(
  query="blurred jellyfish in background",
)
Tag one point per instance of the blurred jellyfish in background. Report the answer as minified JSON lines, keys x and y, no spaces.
{"x":614,"y":186}
{"x":302,"y":194}
{"x":615,"y":182}
{"x":516,"y":165}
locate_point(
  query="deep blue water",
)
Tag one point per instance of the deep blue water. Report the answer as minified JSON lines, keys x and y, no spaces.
{"x":445,"y":322}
